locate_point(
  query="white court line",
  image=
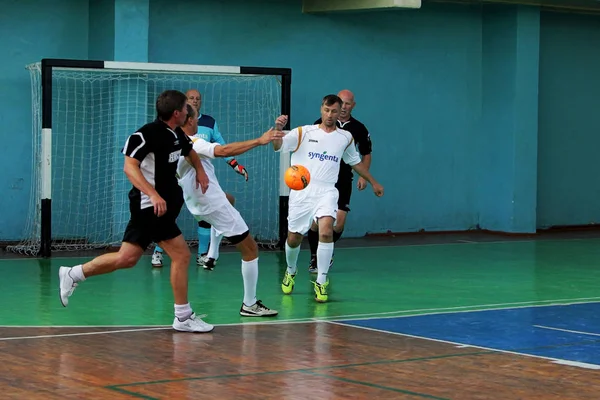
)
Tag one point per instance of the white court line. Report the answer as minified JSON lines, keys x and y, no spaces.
{"x":365,"y":316}
{"x":477,"y":308}
{"x":567,"y":330}
{"x":554,"y":360}
{"x":577,"y":364}
{"x":150,"y":327}
{"x":157,"y":328}
{"x":458,"y":242}
{"x":82,"y":326}
{"x":80,"y":334}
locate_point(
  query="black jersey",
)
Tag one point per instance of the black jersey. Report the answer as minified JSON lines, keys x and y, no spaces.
{"x":362,"y":138}
{"x":157,"y":147}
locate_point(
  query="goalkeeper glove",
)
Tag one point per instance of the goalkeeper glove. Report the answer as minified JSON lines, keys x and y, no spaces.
{"x":238,"y":168}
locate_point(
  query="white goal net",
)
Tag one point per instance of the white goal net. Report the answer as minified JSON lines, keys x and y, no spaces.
{"x":95,"y":110}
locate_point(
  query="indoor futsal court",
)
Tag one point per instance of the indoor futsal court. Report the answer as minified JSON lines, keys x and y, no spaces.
{"x":465,"y":316}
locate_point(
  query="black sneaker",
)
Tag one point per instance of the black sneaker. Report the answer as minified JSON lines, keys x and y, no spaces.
{"x":312,"y":267}
{"x":209,"y":264}
{"x":258,"y":309}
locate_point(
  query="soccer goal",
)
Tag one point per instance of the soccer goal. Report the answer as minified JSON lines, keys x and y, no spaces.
{"x":83,"y":111}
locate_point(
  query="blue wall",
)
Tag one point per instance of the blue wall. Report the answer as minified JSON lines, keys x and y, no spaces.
{"x":508,"y":138}
{"x":569,"y":120}
{"x":29,"y":31}
{"x":449,"y":92}
{"x":416,"y":77}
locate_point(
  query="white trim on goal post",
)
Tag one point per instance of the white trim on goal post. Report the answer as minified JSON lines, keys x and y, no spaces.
{"x":47,"y":65}
{"x":185,"y":68}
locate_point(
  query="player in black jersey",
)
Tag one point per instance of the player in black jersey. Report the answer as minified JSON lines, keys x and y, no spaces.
{"x":362,"y":138}
{"x":151,"y":157}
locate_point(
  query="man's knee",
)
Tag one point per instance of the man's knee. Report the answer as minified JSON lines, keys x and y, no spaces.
{"x":248,"y":248}
{"x":326,"y":237}
{"x":177,"y":249}
{"x":294,"y":239}
{"x":182,"y":255}
{"x":325,"y":233}
{"x":129,"y":255}
{"x":325,"y":229}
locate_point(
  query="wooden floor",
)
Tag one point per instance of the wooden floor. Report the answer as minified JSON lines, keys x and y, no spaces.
{"x":464,"y":320}
{"x":320,"y":360}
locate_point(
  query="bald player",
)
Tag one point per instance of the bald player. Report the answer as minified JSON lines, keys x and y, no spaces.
{"x":208,"y":240}
{"x":362,"y":139}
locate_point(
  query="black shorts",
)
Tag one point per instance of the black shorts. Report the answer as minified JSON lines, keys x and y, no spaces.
{"x":145,"y":227}
{"x":344,"y":187}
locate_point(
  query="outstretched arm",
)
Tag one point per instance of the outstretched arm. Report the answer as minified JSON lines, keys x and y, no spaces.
{"x":236,"y":148}
{"x":232,"y":162}
{"x":218,"y":138}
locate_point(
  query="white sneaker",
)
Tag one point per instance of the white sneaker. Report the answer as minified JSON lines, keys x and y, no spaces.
{"x":257,"y":310}
{"x":157,"y":259}
{"x":192,"y":324}
{"x":67,"y":285}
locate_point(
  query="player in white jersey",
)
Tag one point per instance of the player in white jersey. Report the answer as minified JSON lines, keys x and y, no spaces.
{"x":319,"y":148}
{"x":214,"y":207}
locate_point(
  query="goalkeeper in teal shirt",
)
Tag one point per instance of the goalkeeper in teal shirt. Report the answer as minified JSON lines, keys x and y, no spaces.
{"x":209,"y":131}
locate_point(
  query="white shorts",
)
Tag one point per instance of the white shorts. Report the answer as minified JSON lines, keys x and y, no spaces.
{"x":308,"y":205}
{"x":226,"y":220}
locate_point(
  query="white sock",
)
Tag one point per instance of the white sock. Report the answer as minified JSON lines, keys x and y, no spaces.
{"x":215,"y":242}
{"x":77,"y":273}
{"x":324,"y":253}
{"x":183,"y":311}
{"x":291,"y":257}
{"x":250,"y":276}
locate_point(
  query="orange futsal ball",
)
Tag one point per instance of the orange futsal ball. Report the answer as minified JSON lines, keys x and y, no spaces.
{"x":297,"y":177}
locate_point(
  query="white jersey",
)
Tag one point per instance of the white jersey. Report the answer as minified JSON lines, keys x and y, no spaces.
{"x":200,"y":203}
{"x":320,"y":152}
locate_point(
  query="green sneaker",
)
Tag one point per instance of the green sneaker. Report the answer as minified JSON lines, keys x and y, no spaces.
{"x":321,"y":292}
{"x":287,"y":286}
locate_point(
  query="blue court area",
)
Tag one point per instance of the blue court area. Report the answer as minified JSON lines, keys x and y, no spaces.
{"x":562,"y":332}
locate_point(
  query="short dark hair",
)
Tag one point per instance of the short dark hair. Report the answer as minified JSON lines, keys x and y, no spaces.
{"x":191,"y":111}
{"x":168,"y":102}
{"x":331,"y":99}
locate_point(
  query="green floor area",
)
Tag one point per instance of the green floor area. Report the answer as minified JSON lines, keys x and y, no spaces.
{"x":365,"y":281}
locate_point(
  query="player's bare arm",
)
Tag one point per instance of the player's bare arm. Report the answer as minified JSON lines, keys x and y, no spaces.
{"x":236,"y":148}
{"x":201,"y":177}
{"x":277,"y":144}
{"x":363,"y":171}
{"x":362,"y":182}
{"x":137,"y":179}
{"x":280,"y":122}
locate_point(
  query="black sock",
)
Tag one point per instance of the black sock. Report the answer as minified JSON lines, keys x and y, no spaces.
{"x":313,"y":241}
{"x":337,"y":236}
